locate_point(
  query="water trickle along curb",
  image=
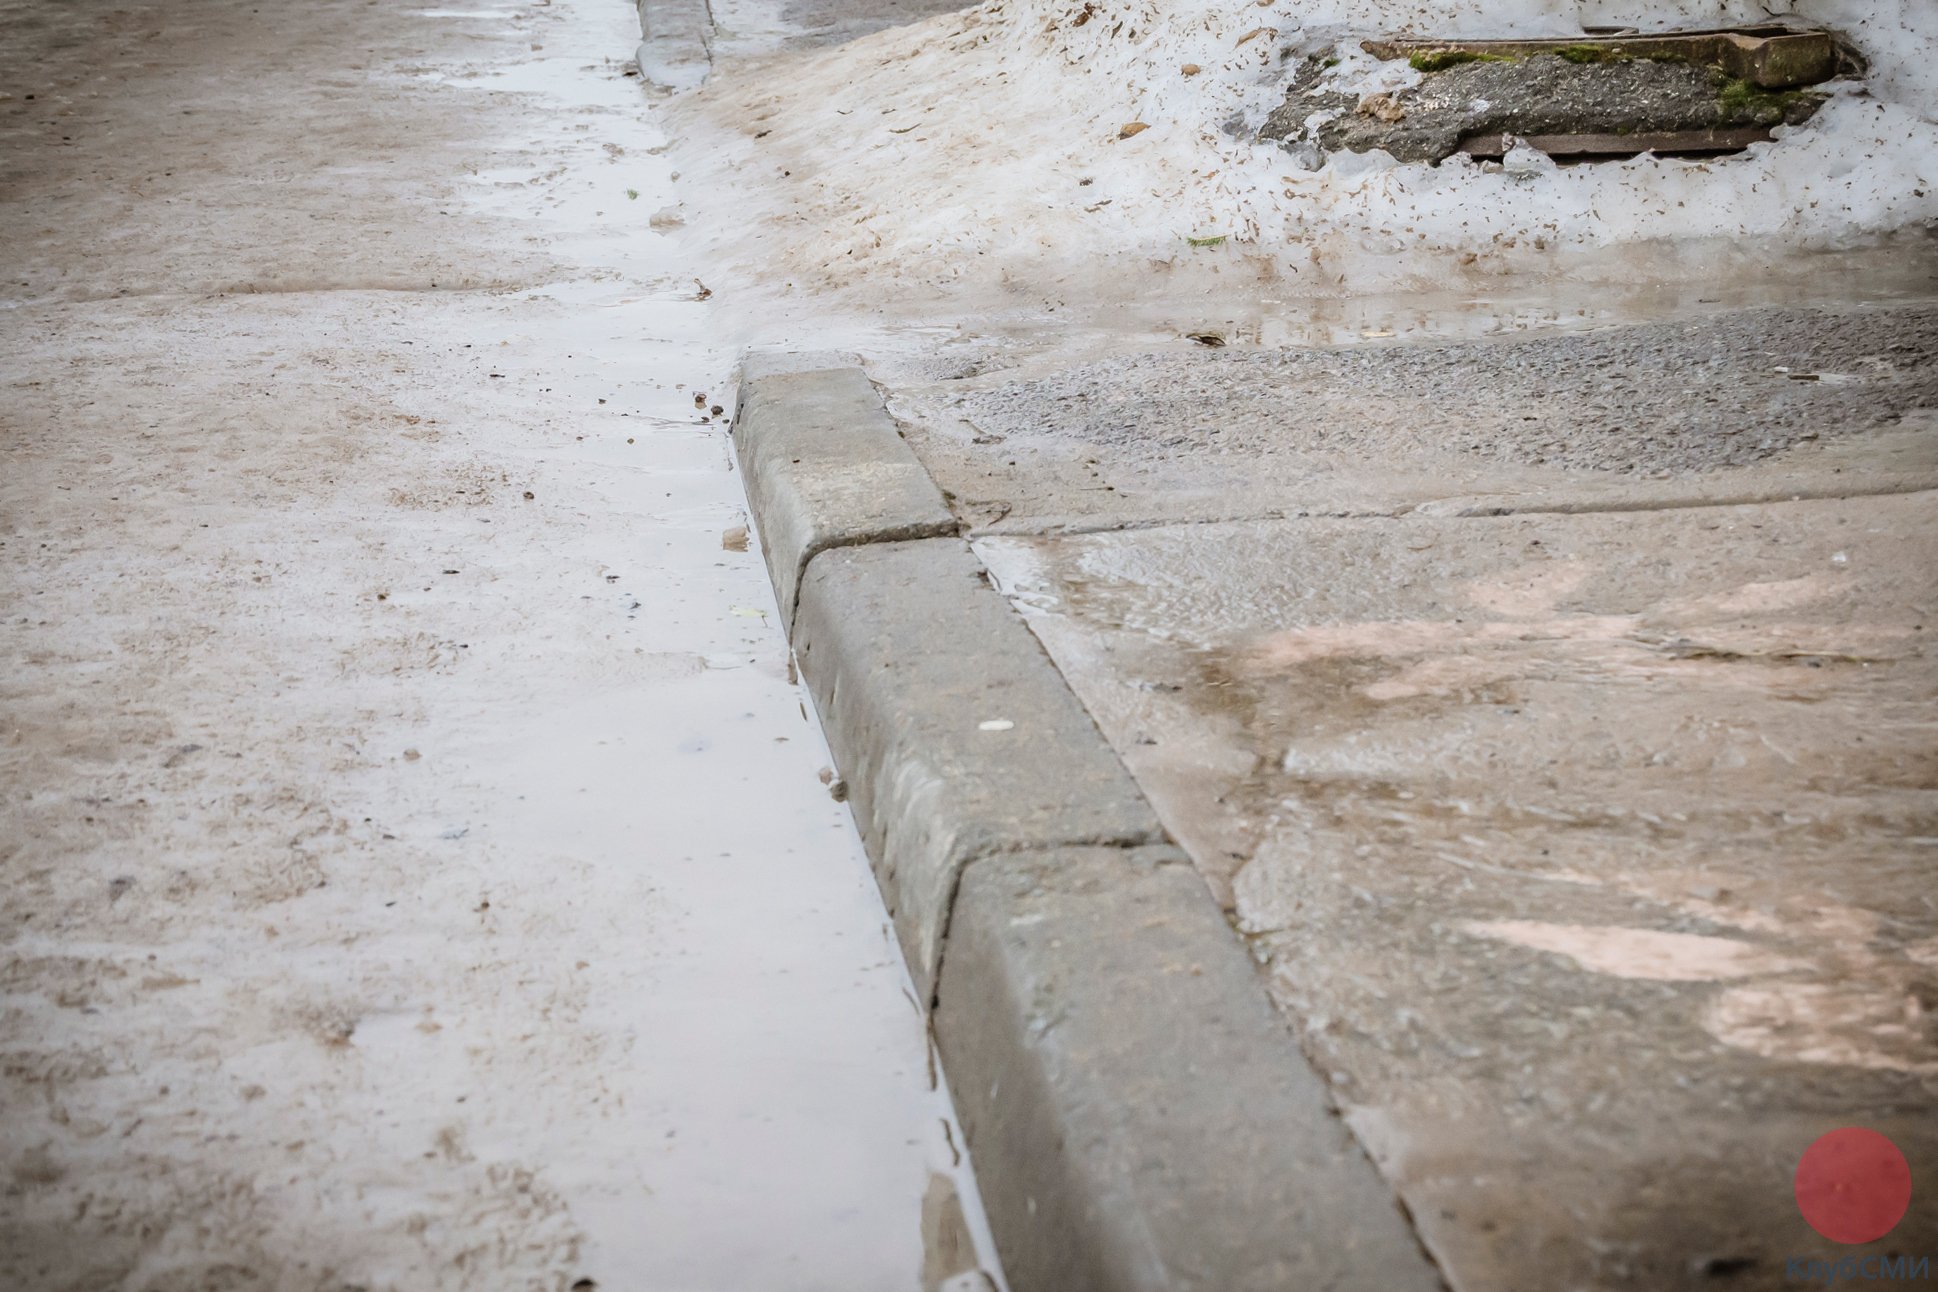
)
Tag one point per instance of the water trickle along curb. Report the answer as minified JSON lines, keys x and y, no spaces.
{"x":1139,"y":1116}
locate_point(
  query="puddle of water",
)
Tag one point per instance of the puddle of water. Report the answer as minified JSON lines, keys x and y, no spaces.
{"x":808,"y":1139}
{"x":1906,"y":270}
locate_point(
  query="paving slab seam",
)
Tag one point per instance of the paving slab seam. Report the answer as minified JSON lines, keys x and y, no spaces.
{"x":1466,"y":508}
{"x":1454,"y":509}
{"x":1140,"y":1115}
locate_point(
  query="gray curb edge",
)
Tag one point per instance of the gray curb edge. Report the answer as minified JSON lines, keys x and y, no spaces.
{"x":825,"y":467}
{"x":676,"y":43}
{"x":1138,"y":1113}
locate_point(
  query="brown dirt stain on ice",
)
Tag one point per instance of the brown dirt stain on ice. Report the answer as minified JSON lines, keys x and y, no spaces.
{"x":1879,"y":1026}
{"x":1640,"y":953}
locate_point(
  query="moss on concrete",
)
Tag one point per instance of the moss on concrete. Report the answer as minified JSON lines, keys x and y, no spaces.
{"x":1467,"y":94}
{"x":1439,"y":60}
{"x":1581,"y":54}
{"x":1742,"y":102}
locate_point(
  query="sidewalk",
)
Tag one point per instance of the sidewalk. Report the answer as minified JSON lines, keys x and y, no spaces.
{"x":417,"y":870}
{"x":1552,"y":714}
{"x":1531,"y":660}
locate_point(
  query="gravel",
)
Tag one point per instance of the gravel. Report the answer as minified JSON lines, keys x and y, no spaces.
{"x":1693,"y":396}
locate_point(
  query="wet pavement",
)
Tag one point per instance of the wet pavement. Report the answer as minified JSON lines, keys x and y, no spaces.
{"x":417,"y":869}
{"x":1554,"y":717}
{"x":1591,"y":854}
{"x":1766,"y":402}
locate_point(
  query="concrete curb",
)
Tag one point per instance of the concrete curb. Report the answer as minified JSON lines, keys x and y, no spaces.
{"x":676,"y":45}
{"x":825,"y":468}
{"x":1139,"y":1114}
{"x":1140,"y":1117}
{"x":955,"y":733}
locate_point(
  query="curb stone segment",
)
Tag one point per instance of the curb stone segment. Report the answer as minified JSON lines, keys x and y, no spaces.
{"x":1143,"y":1117}
{"x":1140,"y":1117}
{"x":676,"y":46}
{"x":825,"y":468}
{"x":915,"y":661}
{"x":758,"y":364}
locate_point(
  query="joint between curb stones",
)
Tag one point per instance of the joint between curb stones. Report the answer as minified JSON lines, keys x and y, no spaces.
{"x":843,"y":543}
{"x":825,"y":467}
{"x":1124,"y":845}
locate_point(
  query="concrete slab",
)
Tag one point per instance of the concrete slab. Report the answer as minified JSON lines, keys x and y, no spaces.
{"x":1590,"y":856}
{"x":956,"y":737}
{"x":1743,"y":406}
{"x":825,"y":467}
{"x":1144,"y":1114}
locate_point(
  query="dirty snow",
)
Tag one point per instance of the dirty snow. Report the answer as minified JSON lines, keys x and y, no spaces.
{"x":986,"y":148}
{"x":417,"y":874}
